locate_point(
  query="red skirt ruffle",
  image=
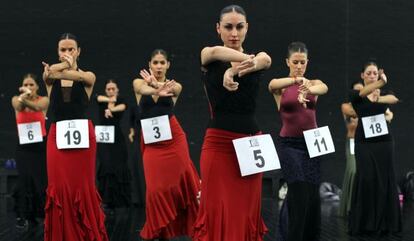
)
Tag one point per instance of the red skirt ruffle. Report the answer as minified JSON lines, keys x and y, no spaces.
{"x":172,"y":187}
{"x":230,"y":204}
{"x":73,"y":206}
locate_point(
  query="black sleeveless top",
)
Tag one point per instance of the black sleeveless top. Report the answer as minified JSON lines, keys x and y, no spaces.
{"x":150,"y":108}
{"x":231,"y":110}
{"x":68,"y":103}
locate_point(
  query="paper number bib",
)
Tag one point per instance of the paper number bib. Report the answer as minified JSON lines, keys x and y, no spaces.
{"x":256,"y":154}
{"x":30,"y":132}
{"x":319,"y":141}
{"x":105,"y":134}
{"x":156,"y":129}
{"x":71,"y":134}
{"x":374,"y":125}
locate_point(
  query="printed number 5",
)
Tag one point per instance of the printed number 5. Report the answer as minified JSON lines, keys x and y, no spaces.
{"x":259,"y":158}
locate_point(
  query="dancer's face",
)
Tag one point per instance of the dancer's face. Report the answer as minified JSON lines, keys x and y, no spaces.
{"x":297,"y":63}
{"x":111,"y":89}
{"x":159,"y":66}
{"x":232,"y":29}
{"x":69,"y":47}
{"x":370,"y":74}
{"x":30,"y":83}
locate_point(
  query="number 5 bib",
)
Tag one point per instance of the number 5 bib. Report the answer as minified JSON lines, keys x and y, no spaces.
{"x":156,"y":129}
{"x":374,"y":125}
{"x":319,"y":141}
{"x":71,"y":134}
{"x":256,"y":154}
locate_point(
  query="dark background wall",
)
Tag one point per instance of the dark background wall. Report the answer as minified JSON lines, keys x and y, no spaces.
{"x":117,"y":37}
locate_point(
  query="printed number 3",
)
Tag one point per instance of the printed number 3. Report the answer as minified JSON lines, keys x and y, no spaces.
{"x":259,"y":158}
{"x":157,"y":131}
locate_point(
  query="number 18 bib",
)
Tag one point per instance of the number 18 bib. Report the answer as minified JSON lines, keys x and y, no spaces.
{"x":374,"y":125}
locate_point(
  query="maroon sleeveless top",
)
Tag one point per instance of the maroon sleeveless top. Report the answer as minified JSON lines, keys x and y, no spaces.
{"x":295,"y":117}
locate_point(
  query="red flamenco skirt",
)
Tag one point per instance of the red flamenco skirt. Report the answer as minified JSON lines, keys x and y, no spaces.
{"x":230,"y":204}
{"x":73,"y":211}
{"x":172,"y":187}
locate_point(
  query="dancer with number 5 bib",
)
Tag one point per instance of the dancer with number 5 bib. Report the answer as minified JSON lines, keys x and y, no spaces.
{"x":230,"y":205}
{"x":374,"y":206}
{"x":73,"y":206}
{"x":171,"y":179}
{"x":296,"y":99}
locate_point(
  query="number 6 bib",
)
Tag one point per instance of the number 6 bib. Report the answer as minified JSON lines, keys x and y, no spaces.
{"x":374,"y":125}
{"x":30,"y":133}
{"x":319,"y":141}
{"x":72,"y":134}
{"x":256,"y":154}
{"x":156,"y":129}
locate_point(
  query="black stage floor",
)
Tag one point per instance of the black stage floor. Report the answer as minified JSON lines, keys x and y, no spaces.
{"x":125,"y":224}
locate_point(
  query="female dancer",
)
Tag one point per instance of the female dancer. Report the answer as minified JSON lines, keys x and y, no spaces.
{"x":72,"y":209}
{"x":230,"y":204}
{"x":113,"y":173}
{"x":296,"y":99}
{"x":30,"y":109}
{"x":374,"y":206}
{"x":171,"y":179}
{"x":351,"y":121}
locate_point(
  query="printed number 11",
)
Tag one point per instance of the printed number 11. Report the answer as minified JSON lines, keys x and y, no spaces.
{"x":322,"y":142}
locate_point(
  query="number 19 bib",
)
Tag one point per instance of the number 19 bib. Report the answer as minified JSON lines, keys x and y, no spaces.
{"x":71,"y":134}
{"x":319,"y":141}
{"x":374,"y":125}
{"x":156,"y":129}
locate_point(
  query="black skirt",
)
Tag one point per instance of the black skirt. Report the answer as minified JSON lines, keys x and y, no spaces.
{"x":113,"y":173}
{"x":375,"y":204}
{"x":29,"y":194}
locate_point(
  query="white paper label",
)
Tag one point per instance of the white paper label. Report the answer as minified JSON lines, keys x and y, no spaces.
{"x":30,"y":132}
{"x":105,"y":134}
{"x":374,"y":125}
{"x":156,"y":129}
{"x":71,"y":134}
{"x":256,"y":154}
{"x":319,"y":141}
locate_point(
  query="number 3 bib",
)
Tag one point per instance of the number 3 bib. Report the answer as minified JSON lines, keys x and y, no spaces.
{"x":374,"y":125}
{"x":156,"y":129}
{"x":72,"y":134}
